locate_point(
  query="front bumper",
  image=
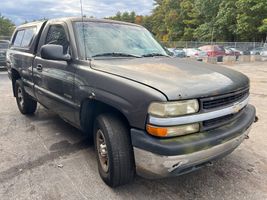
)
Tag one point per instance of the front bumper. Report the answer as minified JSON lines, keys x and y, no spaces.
{"x":157,"y":158}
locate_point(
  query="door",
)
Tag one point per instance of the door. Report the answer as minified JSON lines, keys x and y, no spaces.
{"x":54,"y":80}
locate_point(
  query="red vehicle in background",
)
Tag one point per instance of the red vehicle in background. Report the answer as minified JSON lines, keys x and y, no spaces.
{"x":214,"y":51}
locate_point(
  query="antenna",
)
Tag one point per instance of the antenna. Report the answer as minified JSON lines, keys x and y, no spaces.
{"x":85,"y":51}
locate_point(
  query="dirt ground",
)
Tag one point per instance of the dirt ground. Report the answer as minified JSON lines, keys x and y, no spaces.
{"x":42,"y":157}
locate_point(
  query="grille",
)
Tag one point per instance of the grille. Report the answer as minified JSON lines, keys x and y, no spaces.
{"x":220,"y":121}
{"x":224,"y":100}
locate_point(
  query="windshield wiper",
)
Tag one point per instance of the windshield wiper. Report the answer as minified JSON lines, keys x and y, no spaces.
{"x":153,"y":54}
{"x":116,"y":54}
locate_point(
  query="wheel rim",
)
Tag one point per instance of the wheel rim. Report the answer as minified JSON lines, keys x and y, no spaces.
{"x":20,"y":97}
{"x":102,"y":151}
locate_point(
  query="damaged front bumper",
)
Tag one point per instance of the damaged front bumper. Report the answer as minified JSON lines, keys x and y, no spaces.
{"x":158,"y":158}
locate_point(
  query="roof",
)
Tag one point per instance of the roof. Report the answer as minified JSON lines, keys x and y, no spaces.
{"x":85,"y":19}
{"x":77,"y":19}
{"x":31,"y":24}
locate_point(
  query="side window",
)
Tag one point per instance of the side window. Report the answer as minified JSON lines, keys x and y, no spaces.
{"x":24,"y":37}
{"x":18,"y":38}
{"x":56,"y":35}
{"x":28,"y":36}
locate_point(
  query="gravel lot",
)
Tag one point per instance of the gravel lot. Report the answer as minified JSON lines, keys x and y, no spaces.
{"x":42,"y":157}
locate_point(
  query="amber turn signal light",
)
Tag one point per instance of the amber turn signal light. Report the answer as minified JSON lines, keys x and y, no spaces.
{"x":157,"y":131}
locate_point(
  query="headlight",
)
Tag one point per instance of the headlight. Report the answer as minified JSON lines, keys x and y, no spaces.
{"x":173,"y":109}
{"x":172,"y":131}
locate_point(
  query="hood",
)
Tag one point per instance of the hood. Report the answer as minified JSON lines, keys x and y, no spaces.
{"x":176,"y":78}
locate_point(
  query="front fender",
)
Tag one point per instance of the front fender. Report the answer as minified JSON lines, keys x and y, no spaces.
{"x":130,"y":98}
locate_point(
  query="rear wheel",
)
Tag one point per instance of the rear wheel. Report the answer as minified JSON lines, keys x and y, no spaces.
{"x":114,"y":150}
{"x":25,"y":103}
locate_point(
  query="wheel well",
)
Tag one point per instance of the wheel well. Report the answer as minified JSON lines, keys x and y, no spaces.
{"x":15,"y":76}
{"x":92,"y":108}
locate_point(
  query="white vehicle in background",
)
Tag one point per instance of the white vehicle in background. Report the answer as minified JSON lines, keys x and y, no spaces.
{"x":237,"y":51}
{"x":177,"y":52}
{"x":263,"y":53}
{"x":257,"y":51}
{"x":195,"y":53}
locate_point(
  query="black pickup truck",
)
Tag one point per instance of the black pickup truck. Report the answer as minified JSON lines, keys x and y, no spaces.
{"x":146,"y":112}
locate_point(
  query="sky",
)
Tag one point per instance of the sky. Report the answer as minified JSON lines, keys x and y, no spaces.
{"x":20,"y":11}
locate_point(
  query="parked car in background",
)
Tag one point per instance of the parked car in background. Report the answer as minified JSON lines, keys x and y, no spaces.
{"x":231,"y":51}
{"x":3,"y":48}
{"x":195,"y":53}
{"x":264,"y":52}
{"x":256,"y":51}
{"x":237,"y":51}
{"x":214,"y":51}
{"x":177,"y":52}
{"x":245,"y":52}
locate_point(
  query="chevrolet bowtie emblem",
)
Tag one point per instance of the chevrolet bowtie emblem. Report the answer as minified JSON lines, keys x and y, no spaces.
{"x":237,"y":107}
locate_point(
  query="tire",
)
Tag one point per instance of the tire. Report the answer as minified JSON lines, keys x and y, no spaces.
{"x":219,"y":59}
{"x":116,"y":150}
{"x":26,"y":104}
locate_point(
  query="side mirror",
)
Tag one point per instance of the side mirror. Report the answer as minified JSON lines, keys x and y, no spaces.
{"x":54,"y":52}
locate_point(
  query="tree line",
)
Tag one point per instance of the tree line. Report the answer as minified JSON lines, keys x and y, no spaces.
{"x":204,"y":20}
{"x":6,"y":26}
{"x":195,"y":20}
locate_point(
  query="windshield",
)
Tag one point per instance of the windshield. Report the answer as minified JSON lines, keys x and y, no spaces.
{"x":3,"y":45}
{"x":115,"y":39}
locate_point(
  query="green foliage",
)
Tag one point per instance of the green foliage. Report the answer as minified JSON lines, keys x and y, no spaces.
{"x":225,"y":23}
{"x":201,"y":20}
{"x":6,"y":26}
{"x":251,"y":13}
{"x":263,"y":27}
{"x":205,"y":20}
{"x":126,"y":17}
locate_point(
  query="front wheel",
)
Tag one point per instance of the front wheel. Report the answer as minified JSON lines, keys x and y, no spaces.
{"x":114,"y":150}
{"x":25,"y":103}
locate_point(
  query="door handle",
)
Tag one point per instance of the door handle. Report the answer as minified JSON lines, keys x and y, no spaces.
{"x":39,"y":67}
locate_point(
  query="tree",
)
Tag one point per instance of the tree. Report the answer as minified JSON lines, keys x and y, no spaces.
{"x":206,"y":12}
{"x":132,"y":17}
{"x":147,"y":22}
{"x":190,"y":19}
{"x":159,"y":27}
{"x":116,"y":17}
{"x":250,"y":15}
{"x":226,"y":24}
{"x":125,"y":17}
{"x":204,"y":20}
{"x":139,"y":19}
{"x":6,"y":26}
{"x":263,"y":28}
